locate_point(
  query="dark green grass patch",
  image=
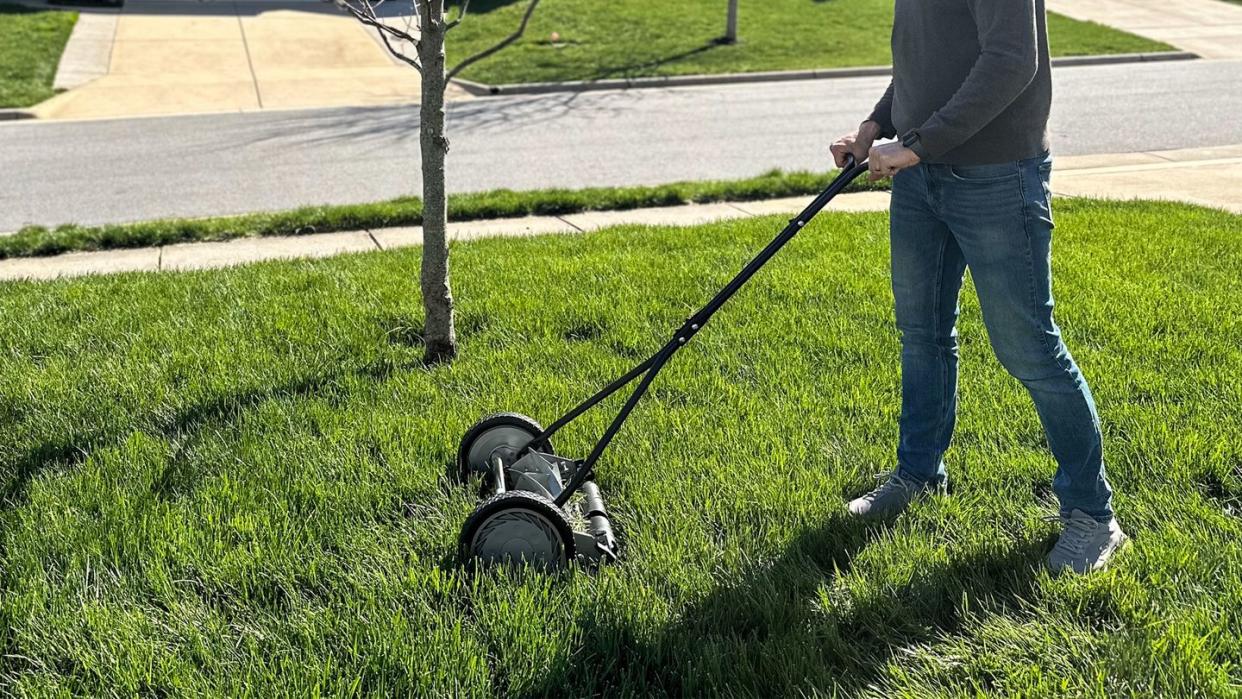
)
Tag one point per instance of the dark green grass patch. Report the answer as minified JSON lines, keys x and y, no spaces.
{"x":649,"y":38}
{"x":33,"y":241}
{"x":232,"y":482}
{"x":31,"y":41}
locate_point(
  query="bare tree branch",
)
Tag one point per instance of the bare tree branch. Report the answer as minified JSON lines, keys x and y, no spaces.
{"x":367,"y":14}
{"x":461,"y":12}
{"x":530,"y":9}
{"x":413,"y":21}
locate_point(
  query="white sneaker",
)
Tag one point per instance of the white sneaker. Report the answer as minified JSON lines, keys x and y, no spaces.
{"x":1086,"y":545}
{"x":892,"y":497}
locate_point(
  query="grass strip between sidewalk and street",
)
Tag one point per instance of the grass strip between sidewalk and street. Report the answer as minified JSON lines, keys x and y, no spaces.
{"x":35,"y":241}
{"x":232,"y":482}
{"x":643,"y":38}
{"x":31,"y":41}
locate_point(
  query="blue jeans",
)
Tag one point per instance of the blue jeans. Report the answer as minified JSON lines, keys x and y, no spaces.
{"x":996,"y":220}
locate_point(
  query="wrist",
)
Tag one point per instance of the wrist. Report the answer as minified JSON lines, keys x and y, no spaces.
{"x":870,"y":129}
{"x":914,"y":141}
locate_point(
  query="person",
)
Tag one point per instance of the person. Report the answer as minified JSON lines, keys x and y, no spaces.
{"x":968,"y":106}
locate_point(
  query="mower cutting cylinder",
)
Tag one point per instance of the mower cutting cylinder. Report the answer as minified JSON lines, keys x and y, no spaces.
{"x":597,"y":516}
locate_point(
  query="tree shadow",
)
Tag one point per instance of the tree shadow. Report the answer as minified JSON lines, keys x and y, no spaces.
{"x":389,"y":130}
{"x":784,"y":630}
{"x":628,"y":69}
{"x":480,"y":7}
{"x":11,"y":8}
{"x":185,"y":424}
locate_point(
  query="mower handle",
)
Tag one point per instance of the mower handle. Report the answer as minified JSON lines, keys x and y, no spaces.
{"x":649,"y":368}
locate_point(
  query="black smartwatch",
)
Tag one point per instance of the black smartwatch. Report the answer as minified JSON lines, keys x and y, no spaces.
{"x":911,"y":138}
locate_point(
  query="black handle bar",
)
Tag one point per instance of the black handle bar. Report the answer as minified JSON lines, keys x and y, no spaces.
{"x":649,"y":368}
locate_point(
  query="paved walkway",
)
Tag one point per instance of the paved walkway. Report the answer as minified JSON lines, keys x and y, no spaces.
{"x":1206,"y":176}
{"x":184,"y":57}
{"x":1210,"y":28}
{"x":1211,"y":177}
{"x":188,"y":256}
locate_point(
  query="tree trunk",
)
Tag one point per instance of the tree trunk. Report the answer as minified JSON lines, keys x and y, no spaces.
{"x":730,"y":36}
{"x":438,"y":331}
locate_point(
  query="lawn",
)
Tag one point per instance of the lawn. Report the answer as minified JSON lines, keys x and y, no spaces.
{"x":651,"y":37}
{"x":31,"y":41}
{"x":232,"y":482}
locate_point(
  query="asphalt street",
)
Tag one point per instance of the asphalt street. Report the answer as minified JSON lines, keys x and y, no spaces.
{"x":94,"y":172}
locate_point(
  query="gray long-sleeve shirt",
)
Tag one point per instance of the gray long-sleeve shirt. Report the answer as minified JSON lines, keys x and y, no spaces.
{"x":972,"y":77}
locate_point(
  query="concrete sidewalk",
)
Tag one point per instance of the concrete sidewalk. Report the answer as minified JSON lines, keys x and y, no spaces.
{"x":1210,"y":28}
{"x":1205,"y":176}
{"x":189,"y":256}
{"x":181,"y":57}
{"x":1211,"y":177}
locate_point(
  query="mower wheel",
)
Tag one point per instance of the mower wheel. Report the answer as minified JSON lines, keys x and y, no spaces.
{"x":517,"y":528}
{"x":508,"y":430}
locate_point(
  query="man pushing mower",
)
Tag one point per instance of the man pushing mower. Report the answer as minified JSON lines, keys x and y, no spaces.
{"x":969,"y":104}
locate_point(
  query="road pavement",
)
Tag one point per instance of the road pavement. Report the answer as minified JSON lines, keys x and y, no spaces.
{"x":95,"y":172}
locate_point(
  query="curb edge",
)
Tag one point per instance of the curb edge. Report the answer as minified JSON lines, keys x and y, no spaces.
{"x":15,"y":114}
{"x":479,"y":89}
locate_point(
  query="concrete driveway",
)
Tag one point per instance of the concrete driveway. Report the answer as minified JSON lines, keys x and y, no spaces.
{"x":186,"y":57}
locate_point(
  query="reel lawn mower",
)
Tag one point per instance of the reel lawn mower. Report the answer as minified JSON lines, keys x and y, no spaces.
{"x":526,"y":515}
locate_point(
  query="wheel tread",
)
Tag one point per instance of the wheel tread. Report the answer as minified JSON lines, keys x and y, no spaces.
{"x":513,"y":499}
{"x":487,"y":422}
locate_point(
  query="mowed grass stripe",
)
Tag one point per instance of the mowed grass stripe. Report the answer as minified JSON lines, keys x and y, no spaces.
{"x":232,"y":482}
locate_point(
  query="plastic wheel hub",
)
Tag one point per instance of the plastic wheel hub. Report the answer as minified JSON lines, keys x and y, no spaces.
{"x":515,"y":528}
{"x":509,"y":432}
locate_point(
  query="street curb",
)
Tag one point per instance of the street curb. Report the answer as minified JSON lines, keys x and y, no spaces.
{"x":482,"y":89}
{"x":15,"y":114}
{"x":1159,"y":56}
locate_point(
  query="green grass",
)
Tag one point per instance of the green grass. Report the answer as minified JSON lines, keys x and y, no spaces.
{"x":652,"y":37}
{"x":33,"y":241}
{"x":232,"y":482}
{"x":31,"y":41}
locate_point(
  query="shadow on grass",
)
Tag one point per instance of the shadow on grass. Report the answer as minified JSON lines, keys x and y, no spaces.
{"x":479,"y":7}
{"x":15,"y":9}
{"x":640,"y":67}
{"x":185,"y":424}
{"x":785,"y":630}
